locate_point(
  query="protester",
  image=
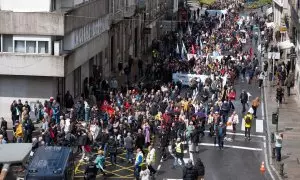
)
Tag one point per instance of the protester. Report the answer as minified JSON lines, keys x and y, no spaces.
{"x":248,"y":123}
{"x":278,"y":145}
{"x":189,"y":171}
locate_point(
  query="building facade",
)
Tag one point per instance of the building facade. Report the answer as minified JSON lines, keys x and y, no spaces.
{"x":294,"y":32}
{"x":52,"y":46}
{"x":31,"y":65}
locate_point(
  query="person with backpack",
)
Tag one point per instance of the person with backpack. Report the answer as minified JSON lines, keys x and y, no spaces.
{"x":255,"y":105}
{"x":248,"y":122}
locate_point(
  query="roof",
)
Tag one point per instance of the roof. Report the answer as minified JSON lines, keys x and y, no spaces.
{"x":14,"y":152}
{"x":49,"y":161}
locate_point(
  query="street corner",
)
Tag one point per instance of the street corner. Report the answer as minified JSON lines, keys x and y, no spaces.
{"x":122,"y":170}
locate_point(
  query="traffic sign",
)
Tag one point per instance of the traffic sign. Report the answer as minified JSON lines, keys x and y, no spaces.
{"x":293,"y":55}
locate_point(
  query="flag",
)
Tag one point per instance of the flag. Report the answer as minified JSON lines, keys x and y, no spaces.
{"x":183,"y":51}
{"x":201,"y":45}
{"x":107,"y":108}
{"x":189,"y":30}
{"x":193,"y":49}
{"x":177,"y":49}
{"x":197,"y":41}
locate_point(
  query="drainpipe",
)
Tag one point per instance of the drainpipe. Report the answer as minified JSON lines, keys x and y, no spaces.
{"x":4,"y":171}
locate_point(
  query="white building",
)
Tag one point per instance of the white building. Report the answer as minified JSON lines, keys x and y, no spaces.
{"x":31,"y":65}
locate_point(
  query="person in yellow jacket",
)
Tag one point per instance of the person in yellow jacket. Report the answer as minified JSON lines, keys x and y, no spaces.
{"x":19,"y":132}
{"x":248,"y":123}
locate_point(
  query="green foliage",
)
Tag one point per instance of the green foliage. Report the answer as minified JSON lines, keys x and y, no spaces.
{"x":207,"y":2}
{"x":258,"y":4}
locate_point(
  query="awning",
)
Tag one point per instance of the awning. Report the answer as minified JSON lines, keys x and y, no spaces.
{"x":269,"y":11}
{"x":286,"y":45}
{"x":270,"y":25}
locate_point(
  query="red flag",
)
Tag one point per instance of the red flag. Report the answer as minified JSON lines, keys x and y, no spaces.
{"x":107,"y":108}
{"x":193,"y":50}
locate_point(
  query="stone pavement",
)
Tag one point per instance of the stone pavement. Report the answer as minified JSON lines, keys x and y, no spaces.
{"x":289,"y":125}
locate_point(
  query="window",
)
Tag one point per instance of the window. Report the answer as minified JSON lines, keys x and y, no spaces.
{"x":43,"y":47}
{"x":77,"y":82}
{"x":7,"y":43}
{"x":30,"y":46}
{"x":20,"y":46}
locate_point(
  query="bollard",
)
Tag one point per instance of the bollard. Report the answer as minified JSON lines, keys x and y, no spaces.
{"x":272,"y":137}
{"x":273,"y":152}
{"x":281,"y":169}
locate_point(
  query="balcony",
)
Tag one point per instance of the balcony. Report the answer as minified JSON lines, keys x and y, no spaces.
{"x":117,"y":16}
{"x":31,"y":65}
{"x":32,"y":23}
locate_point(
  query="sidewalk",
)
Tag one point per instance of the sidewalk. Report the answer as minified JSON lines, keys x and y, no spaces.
{"x":289,"y":125}
{"x":121,"y":78}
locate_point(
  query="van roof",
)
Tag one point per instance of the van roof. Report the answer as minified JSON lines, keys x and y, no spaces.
{"x":49,"y":161}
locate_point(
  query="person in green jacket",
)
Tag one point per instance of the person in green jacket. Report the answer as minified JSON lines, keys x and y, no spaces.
{"x":99,"y":161}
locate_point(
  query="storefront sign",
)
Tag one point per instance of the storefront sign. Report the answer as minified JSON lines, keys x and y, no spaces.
{"x":82,"y":35}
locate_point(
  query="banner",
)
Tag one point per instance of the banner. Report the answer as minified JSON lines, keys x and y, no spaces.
{"x":186,"y":78}
{"x":218,"y":12}
{"x":190,"y":56}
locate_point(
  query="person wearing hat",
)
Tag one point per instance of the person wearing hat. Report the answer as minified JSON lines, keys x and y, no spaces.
{"x":178,"y":153}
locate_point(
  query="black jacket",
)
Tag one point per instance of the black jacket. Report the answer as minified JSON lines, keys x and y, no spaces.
{"x":190,"y":173}
{"x":112,"y":146}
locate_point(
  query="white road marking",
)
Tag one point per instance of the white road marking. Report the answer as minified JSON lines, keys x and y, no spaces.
{"x":243,"y":125}
{"x":229,"y":127}
{"x":158,"y":167}
{"x":241,"y":134}
{"x":259,"y":126}
{"x":234,"y":147}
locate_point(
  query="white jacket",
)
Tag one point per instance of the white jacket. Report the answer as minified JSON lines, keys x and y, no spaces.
{"x":234,"y":119}
{"x":151,"y":157}
{"x":145,"y":175}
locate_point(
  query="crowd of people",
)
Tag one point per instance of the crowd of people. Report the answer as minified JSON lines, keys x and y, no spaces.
{"x":159,"y":116}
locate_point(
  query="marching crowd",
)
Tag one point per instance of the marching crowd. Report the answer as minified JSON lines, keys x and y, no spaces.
{"x":148,"y":118}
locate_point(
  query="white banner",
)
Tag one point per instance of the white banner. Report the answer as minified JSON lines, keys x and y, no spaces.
{"x":190,"y":56}
{"x":186,"y":78}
